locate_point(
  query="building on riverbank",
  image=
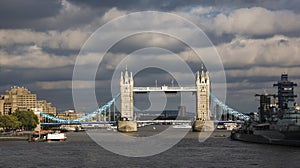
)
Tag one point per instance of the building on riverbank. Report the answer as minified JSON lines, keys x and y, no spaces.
{"x":21,"y":99}
{"x":69,"y":115}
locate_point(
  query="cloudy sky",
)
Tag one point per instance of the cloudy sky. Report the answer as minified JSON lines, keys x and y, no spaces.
{"x":40,"y":40}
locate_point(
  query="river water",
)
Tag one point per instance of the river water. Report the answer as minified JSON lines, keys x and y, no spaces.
{"x":81,"y":151}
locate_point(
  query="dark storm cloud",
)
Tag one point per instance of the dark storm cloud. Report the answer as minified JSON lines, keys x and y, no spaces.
{"x":60,"y":98}
{"x":16,"y":14}
{"x":45,"y":15}
{"x":292,"y":5}
{"x":170,"y":5}
{"x":21,"y":76}
{"x":136,"y":5}
{"x":154,"y":75}
{"x":44,"y":36}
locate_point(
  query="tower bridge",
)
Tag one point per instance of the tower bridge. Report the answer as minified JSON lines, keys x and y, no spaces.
{"x":202,"y":90}
{"x":204,"y":100}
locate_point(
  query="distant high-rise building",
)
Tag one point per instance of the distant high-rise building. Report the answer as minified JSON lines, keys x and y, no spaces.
{"x":21,"y":99}
{"x":18,"y":98}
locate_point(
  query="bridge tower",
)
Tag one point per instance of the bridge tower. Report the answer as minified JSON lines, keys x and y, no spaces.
{"x":202,"y":101}
{"x":126,"y":90}
{"x":127,"y":123}
{"x":202,"y":97}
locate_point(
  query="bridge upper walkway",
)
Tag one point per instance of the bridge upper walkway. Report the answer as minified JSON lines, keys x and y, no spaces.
{"x":164,"y":89}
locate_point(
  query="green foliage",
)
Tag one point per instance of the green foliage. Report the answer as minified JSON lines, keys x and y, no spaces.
{"x":9,"y":122}
{"x":27,"y":119}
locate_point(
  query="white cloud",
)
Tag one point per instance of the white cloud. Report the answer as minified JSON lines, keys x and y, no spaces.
{"x":262,"y":72}
{"x":17,"y":36}
{"x":69,"y":39}
{"x":277,"y":51}
{"x":256,"y":21}
{"x":113,"y":13}
{"x":33,"y":57}
{"x":69,"y":84}
{"x":242,"y":57}
{"x":49,"y":85}
{"x":200,"y":10}
{"x":243,"y":21}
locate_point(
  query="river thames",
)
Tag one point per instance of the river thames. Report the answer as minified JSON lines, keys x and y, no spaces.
{"x":81,"y":151}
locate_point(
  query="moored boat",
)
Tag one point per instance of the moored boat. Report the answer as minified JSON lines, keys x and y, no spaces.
{"x":57,"y":136}
{"x":39,"y":136}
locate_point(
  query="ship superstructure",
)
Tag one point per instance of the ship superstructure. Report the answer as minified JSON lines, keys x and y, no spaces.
{"x":279,"y":118}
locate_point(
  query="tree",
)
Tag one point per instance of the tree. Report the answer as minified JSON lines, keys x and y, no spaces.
{"x":27,"y":119}
{"x":9,"y":122}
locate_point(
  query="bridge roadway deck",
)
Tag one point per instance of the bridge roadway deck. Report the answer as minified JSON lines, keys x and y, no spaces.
{"x":164,"y":89}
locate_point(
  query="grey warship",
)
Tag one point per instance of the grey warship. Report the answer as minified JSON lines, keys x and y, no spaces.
{"x":278,"y":120}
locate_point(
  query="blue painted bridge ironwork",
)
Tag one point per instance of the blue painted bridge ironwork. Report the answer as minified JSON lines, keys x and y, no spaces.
{"x":87,"y":118}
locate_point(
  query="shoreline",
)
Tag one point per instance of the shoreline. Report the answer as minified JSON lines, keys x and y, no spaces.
{"x":14,"y":138}
{"x":143,"y":132}
{"x":22,"y":136}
